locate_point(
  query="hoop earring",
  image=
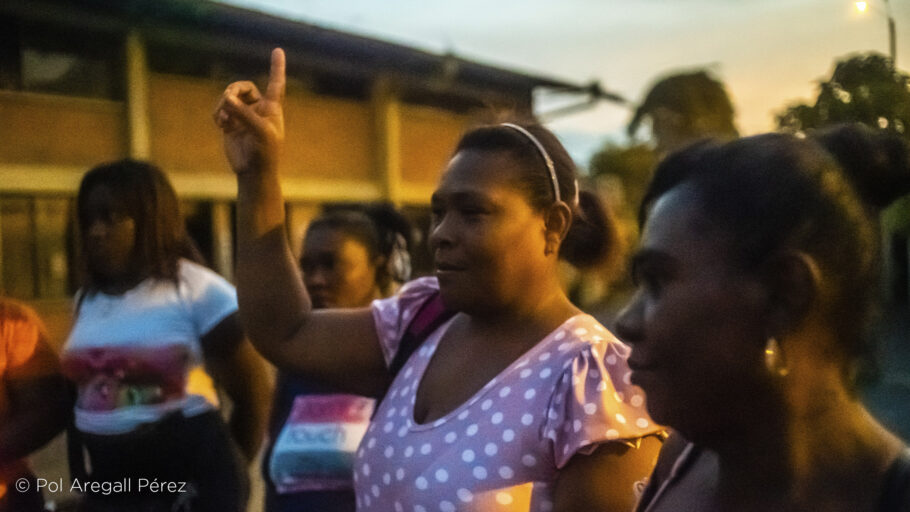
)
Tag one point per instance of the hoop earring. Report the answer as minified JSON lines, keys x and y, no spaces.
{"x":775,"y":360}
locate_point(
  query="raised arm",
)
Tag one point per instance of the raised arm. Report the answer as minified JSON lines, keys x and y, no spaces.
{"x":331,"y":346}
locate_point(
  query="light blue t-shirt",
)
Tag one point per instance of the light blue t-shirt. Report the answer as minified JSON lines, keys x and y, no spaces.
{"x":137,"y":356}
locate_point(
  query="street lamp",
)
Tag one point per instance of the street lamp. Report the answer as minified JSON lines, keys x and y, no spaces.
{"x":892,"y":37}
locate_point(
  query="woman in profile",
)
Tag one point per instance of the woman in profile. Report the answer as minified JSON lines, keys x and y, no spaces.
{"x":756,"y":279}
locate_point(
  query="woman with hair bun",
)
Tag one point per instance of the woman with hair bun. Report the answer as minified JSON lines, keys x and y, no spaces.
{"x":756,"y":279}
{"x":519,"y":401}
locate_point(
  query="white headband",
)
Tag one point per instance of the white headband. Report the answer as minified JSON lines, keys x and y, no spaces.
{"x":544,"y":154}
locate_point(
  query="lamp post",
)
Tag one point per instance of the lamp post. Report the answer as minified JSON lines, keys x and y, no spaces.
{"x":892,"y":37}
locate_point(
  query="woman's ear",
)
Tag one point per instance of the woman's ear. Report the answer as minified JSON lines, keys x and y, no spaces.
{"x":794,"y":283}
{"x":557,"y":220}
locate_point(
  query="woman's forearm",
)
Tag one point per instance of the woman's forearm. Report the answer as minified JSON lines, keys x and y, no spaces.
{"x":250,"y":383}
{"x":273,"y":301}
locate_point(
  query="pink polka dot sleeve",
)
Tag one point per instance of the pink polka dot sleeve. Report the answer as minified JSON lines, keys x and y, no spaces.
{"x":594,"y":402}
{"x":393,"y":315}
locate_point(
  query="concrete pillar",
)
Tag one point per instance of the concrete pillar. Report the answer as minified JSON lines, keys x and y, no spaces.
{"x":137,"y":97}
{"x":387,"y":122}
{"x":222,"y":239}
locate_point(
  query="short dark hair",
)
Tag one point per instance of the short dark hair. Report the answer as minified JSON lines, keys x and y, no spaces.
{"x":820,"y":195}
{"x":593,"y":237}
{"x":150,"y":200}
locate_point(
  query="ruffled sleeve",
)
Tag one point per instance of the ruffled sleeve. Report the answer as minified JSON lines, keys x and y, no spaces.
{"x":393,"y":315}
{"x":594,"y":402}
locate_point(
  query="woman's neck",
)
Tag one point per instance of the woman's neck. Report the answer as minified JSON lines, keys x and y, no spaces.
{"x":551,"y":307}
{"x":120,"y":284}
{"x":823,"y":447}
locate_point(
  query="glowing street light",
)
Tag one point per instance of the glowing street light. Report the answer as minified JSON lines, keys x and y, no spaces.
{"x":892,"y":38}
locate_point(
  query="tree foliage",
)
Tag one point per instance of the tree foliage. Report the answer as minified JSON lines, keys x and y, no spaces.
{"x":685,"y":107}
{"x":625,"y":172}
{"x":698,"y":98}
{"x":864,"y":88}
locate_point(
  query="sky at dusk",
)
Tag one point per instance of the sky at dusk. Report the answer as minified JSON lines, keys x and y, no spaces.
{"x":770,"y":53}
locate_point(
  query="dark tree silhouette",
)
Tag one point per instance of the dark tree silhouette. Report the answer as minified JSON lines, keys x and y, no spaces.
{"x":864,"y":88}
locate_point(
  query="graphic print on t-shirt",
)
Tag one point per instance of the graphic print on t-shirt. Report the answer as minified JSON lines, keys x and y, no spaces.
{"x":109,"y":378}
{"x":315,"y":449}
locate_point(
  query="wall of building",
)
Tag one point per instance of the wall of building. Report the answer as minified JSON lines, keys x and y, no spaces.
{"x":340,"y":148}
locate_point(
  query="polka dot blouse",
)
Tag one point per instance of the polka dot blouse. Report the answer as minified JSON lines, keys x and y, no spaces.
{"x":502,"y":449}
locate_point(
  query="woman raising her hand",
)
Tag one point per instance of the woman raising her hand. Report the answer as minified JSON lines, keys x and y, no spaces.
{"x":519,"y":401}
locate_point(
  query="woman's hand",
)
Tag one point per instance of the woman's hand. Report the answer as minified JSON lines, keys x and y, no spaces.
{"x":253,"y":123}
{"x":275,"y":309}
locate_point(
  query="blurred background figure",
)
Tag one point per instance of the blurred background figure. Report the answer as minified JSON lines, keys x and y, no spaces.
{"x":34,"y":402}
{"x":679,"y":109}
{"x":147,"y":319}
{"x":353,"y":255}
{"x":350,"y":257}
{"x":683,"y":108}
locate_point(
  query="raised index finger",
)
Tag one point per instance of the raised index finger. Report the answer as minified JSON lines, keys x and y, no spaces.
{"x":275,"y":89}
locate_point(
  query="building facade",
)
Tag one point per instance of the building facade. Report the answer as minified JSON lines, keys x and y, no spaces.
{"x":88,"y":81}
